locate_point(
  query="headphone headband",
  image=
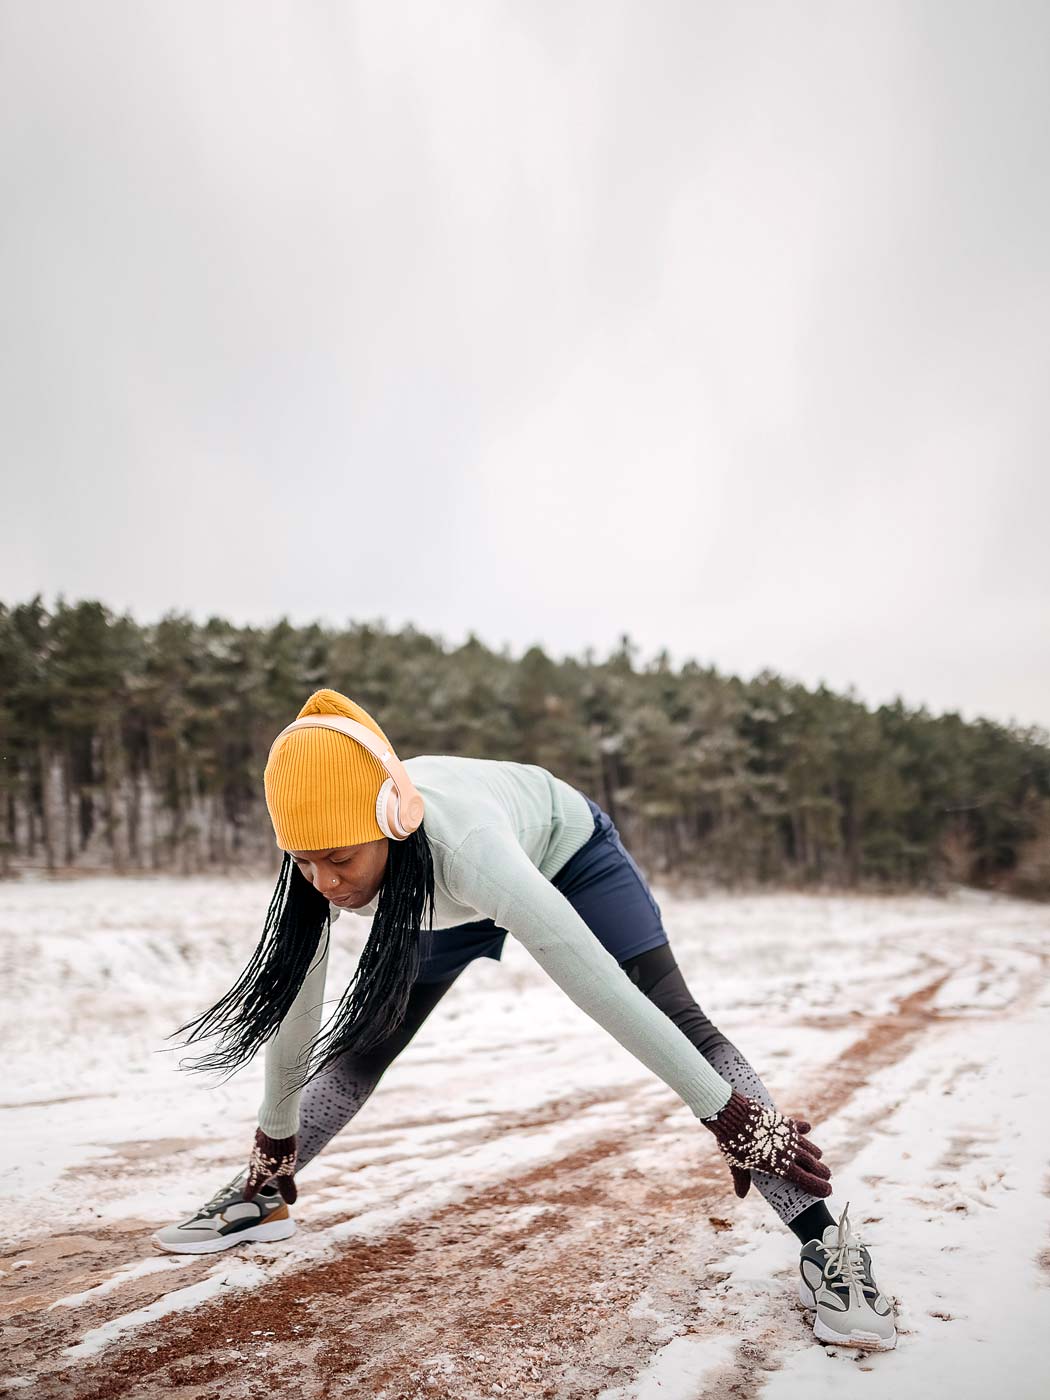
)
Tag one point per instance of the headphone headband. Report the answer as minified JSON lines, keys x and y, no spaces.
{"x":407,"y":810}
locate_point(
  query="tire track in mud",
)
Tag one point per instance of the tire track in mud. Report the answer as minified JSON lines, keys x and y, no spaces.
{"x":79,"y":1260}
{"x":525,"y":1288}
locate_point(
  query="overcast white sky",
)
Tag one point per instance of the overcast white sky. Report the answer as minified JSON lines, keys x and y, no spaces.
{"x":724,"y":325}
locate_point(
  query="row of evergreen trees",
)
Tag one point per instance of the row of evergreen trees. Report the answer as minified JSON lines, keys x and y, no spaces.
{"x":141,"y":747}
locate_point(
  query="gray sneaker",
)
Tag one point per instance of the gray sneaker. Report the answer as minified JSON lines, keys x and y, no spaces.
{"x":837,"y":1283}
{"x":228,"y":1219}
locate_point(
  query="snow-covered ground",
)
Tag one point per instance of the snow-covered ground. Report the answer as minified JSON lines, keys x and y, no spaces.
{"x":521,"y":1209}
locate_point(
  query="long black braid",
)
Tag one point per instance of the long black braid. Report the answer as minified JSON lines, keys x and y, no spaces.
{"x":374,"y":1003}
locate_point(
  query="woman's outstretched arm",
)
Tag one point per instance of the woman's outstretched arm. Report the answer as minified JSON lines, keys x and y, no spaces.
{"x":285,"y":1067}
{"x":492,"y":874}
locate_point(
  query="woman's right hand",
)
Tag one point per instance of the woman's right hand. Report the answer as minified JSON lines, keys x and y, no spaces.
{"x":272,"y":1158}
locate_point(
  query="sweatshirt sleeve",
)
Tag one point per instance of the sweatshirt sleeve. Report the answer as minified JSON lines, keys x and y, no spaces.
{"x":492,"y":874}
{"x":284,"y":1073}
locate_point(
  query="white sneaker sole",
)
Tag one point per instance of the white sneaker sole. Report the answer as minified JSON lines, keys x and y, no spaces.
{"x":268,"y":1230}
{"x":870,"y":1341}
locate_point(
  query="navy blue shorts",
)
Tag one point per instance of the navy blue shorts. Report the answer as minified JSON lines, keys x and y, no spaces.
{"x":602,"y":883}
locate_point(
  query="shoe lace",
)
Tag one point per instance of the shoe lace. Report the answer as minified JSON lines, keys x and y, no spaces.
{"x":231,"y":1188}
{"x":844,"y":1262}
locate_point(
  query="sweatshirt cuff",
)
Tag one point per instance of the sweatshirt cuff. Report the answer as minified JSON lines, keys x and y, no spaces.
{"x":707,"y":1099}
{"x":280,"y":1123}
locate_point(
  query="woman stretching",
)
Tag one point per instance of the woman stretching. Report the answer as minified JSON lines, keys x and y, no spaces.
{"x":505,"y":847}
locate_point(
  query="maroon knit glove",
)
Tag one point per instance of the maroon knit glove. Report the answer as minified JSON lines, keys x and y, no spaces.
{"x":752,"y":1137}
{"x":272,"y":1157}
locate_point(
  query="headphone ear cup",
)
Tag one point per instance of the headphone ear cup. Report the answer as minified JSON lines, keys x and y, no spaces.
{"x":386,"y":810}
{"x":410,"y":812}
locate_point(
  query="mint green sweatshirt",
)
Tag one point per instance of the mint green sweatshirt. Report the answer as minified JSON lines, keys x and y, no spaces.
{"x":498,"y":833}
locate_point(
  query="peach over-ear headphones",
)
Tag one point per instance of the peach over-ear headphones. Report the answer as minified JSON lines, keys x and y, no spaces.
{"x":399,"y":807}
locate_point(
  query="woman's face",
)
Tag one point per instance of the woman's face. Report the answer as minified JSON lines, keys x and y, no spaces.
{"x":347,"y":876}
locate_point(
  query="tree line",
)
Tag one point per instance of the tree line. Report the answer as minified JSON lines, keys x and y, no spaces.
{"x":140,"y":747}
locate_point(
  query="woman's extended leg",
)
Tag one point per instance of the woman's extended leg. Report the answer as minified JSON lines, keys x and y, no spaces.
{"x":657,"y":974}
{"x":334,"y":1097}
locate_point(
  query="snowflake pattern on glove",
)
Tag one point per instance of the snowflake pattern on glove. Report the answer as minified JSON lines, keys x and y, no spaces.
{"x":262,"y":1164}
{"x":754,"y":1137}
{"x":272,"y":1157}
{"x":767,"y":1142}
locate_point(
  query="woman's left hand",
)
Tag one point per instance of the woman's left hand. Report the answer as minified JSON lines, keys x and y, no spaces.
{"x":752,"y":1137}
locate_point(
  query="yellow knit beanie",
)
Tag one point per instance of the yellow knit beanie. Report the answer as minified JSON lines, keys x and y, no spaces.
{"x":321,"y":786}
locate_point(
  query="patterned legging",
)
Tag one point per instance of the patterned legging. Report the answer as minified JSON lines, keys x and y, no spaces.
{"x":334,"y":1097}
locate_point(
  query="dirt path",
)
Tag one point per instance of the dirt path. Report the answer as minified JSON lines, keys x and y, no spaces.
{"x":537,"y":1287}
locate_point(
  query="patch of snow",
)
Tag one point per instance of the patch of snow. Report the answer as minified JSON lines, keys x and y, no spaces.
{"x":122,"y":1276}
{"x":678,"y":1371}
{"x":235,"y":1276}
